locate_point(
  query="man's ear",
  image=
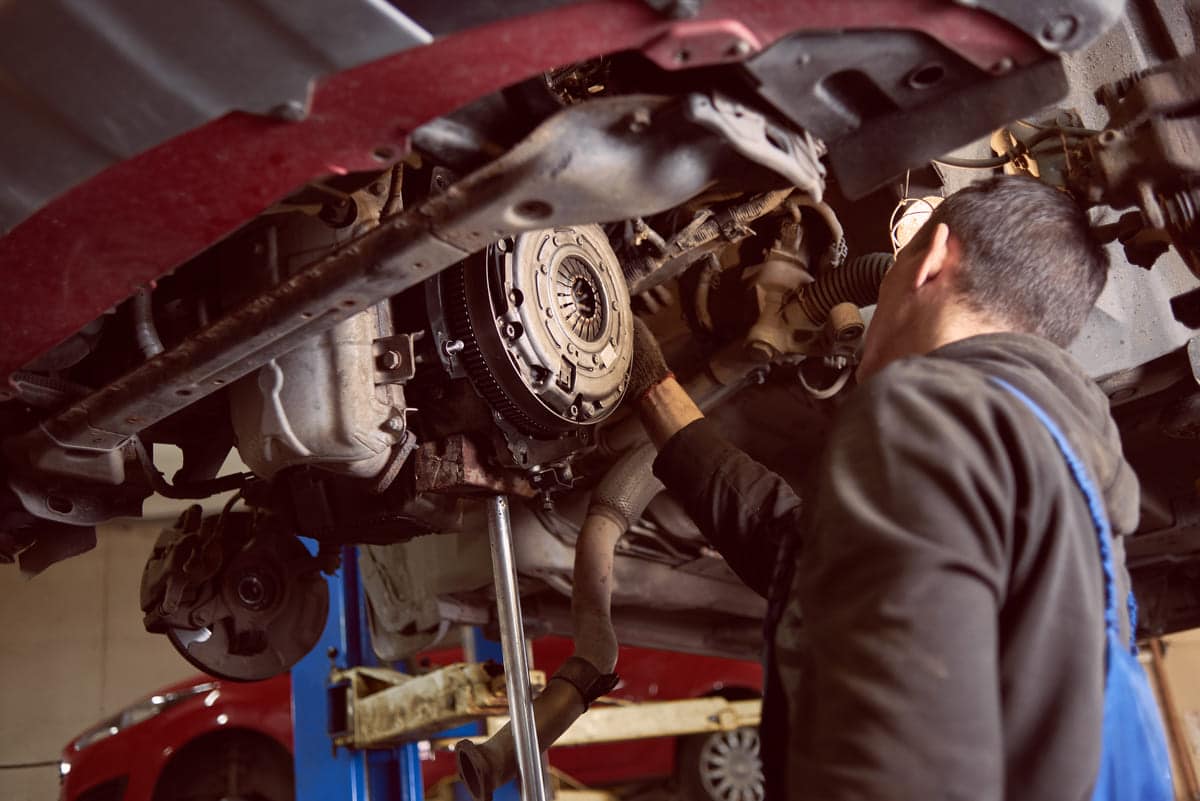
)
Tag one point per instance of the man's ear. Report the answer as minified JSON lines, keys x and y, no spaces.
{"x":936,"y":258}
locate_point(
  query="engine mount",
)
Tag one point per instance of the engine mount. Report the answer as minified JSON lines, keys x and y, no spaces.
{"x":545,"y":326}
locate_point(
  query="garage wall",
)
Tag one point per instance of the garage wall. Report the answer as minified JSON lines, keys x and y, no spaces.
{"x":1180,"y":669}
{"x":74,"y":651}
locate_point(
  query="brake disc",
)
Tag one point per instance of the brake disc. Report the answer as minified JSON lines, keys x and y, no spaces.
{"x":251,"y":618}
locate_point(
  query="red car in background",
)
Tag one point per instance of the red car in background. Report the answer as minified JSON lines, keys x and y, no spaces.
{"x":206,"y":739}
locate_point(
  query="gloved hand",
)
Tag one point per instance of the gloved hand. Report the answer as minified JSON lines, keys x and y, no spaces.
{"x":649,"y":367}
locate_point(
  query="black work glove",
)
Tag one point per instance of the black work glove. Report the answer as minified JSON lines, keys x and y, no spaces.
{"x":649,"y":368}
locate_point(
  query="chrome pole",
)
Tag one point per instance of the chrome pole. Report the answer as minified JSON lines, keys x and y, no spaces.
{"x":512,"y":641}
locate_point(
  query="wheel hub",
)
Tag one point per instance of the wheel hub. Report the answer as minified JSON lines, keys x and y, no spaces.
{"x":252,"y":604}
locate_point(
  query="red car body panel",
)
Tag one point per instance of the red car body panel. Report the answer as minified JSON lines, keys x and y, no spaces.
{"x":140,"y":752}
{"x":90,"y":248}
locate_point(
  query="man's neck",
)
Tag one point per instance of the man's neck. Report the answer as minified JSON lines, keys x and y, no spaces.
{"x":928,"y":333}
{"x":955,"y":327}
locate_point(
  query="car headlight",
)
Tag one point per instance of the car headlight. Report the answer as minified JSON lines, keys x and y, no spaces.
{"x":135,"y":714}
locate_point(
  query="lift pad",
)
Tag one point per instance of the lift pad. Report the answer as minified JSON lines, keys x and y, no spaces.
{"x":379,"y":707}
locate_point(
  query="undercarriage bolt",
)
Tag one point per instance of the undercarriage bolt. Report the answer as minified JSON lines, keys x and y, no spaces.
{"x":639,"y":120}
{"x":1060,"y":30}
{"x":390,"y":360}
{"x":453,"y":346}
{"x":394,"y":424}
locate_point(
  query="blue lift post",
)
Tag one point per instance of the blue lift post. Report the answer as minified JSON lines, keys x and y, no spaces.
{"x":323,"y":774}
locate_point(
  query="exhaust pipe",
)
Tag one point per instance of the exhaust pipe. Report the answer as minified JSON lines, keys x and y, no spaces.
{"x":617,"y":501}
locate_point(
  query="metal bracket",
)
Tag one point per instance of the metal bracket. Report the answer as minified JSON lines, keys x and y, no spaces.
{"x":794,"y":156}
{"x":1058,"y":26}
{"x":395,"y":358}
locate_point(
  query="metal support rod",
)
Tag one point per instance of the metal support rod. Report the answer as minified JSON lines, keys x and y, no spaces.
{"x":512,"y":640}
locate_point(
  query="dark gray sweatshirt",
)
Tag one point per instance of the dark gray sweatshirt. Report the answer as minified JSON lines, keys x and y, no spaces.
{"x":952,"y":644}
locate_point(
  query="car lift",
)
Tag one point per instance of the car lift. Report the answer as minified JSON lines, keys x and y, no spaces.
{"x":356,"y":724}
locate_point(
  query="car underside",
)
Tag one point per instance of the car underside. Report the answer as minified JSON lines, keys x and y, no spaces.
{"x":401,"y":278}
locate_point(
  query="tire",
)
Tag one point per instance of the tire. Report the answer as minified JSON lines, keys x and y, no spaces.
{"x":722,"y":766}
{"x":228,"y":766}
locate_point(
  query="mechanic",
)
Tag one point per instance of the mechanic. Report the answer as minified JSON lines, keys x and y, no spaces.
{"x":954,"y":640}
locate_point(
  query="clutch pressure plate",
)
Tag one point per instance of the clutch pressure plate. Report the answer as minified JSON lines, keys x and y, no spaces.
{"x":546,"y":326}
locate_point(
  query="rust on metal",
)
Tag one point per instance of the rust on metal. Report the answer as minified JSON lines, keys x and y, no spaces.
{"x":385,"y":707}
{"x":454,"y":465}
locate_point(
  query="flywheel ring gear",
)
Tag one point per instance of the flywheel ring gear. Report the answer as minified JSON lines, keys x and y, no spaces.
{"x":546,"y":327}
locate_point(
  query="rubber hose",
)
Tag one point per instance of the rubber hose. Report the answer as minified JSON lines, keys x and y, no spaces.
{"x":619,"y":499}
{"x":856,"y":282}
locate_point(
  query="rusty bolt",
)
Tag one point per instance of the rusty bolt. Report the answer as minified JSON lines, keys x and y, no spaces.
{"x":390,"y":360}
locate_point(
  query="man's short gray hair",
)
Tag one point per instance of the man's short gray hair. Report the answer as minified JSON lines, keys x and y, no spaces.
{"x":1028,"y":253}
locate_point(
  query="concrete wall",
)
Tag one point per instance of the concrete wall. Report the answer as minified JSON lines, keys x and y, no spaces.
{"x":74,"y":651}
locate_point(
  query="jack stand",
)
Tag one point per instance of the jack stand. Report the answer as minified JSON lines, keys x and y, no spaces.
{"x":512,"y":639}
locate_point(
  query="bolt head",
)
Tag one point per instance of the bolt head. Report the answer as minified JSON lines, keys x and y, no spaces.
{"x":1060,"y":30}
{"x":390,"y":360}
{"x":639,"y":120}
{"x":740,"y":48}
{"x":1002,"y":67}
{"x":291,"y":111}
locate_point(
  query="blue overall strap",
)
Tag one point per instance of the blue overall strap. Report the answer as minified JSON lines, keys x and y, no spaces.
{"x":1134,"y":762}
{"x":1095,"y":506}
